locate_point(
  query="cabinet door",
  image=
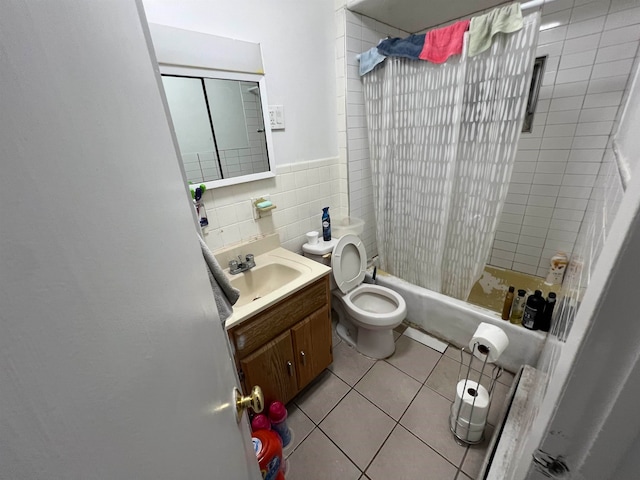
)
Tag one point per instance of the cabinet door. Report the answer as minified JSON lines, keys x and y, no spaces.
{"x":273,"y":368}
{"x":312,"y":345}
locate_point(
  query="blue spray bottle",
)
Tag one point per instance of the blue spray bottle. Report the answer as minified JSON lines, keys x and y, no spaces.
{"x":326,"y":224}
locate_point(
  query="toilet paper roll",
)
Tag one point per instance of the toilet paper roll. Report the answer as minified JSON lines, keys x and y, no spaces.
{"x":490,"y":339}
{"x":470,"y":413}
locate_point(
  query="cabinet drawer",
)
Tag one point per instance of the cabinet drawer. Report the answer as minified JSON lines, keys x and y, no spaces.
{"x":280,"y":317}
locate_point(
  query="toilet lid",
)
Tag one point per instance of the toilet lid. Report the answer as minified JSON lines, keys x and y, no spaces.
{"x":349,"y":262}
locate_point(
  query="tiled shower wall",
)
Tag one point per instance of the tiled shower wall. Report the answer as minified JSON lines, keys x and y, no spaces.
{"x":356,"y":34}
{"x":591,"y":48}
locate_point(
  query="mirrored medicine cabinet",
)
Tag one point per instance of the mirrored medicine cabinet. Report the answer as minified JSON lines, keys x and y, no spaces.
{"x":215,"y":90}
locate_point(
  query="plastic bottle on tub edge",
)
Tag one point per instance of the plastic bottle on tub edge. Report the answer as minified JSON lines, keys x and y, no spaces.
{"x":533,"y":311}
{"x":518,"y":307}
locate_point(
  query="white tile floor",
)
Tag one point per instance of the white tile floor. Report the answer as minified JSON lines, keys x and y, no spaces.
{"x":368,"y":419}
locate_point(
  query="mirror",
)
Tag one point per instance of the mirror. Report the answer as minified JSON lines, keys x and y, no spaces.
{"x":216,"y":97}
{"x":219,"y":126}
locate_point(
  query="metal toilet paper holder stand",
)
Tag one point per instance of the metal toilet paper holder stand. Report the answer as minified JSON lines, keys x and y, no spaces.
{"x":455,"y":421}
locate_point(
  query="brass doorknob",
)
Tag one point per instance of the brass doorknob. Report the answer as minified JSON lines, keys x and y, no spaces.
{"x":255,"y":400}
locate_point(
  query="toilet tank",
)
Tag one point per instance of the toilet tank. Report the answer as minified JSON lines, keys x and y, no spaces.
{"x":321,"y":251}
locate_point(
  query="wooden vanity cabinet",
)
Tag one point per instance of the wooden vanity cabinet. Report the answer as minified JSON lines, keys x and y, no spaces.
{"x":285,"y":347}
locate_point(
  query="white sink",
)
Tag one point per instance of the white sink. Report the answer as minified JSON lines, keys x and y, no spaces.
{"x":262,"y":280}
{"x":278,"y":273}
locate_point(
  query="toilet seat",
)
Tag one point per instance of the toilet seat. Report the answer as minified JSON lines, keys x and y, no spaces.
{"x":373,"y":305}
{"x":349,"y":262}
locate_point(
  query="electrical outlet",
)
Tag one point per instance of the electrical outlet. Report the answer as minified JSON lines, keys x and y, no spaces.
{"x":276,"y":117}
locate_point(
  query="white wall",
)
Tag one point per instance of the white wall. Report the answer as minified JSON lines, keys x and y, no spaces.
{"x":297,"y":40}
{"x":298,"y":46}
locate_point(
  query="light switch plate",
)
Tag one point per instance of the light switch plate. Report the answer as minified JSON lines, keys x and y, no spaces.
{"x":276,"y":117}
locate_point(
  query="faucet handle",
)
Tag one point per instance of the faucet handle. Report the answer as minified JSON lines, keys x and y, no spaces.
{"x":233,"y":265}
{"x":249,"y":258}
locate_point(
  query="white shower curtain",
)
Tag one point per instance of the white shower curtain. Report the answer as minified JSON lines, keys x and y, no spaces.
{"x":442,"y":142}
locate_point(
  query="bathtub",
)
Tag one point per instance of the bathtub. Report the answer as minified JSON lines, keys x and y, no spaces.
{"x":455,"y":321}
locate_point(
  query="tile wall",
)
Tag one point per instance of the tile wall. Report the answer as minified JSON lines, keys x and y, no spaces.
{"x":299,"y":191}
{"x":591,"y":48}
{"x":356,"y":34}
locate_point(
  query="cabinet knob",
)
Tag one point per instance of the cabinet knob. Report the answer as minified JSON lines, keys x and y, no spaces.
{"x":290,"y":368}
{"x":303,"y":357}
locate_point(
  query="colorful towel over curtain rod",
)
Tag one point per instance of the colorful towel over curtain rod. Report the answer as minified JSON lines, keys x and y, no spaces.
{"x":437,"y":45}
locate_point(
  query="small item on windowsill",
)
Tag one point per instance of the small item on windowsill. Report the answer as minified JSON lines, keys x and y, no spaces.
{"x":508,"y":301}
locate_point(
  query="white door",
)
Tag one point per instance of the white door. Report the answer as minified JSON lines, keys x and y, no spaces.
{"x":113,"y":361}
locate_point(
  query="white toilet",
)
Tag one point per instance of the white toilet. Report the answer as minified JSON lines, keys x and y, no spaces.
{"x":367,"y":313}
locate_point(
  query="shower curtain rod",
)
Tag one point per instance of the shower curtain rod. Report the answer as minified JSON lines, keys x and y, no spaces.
{"x":532,"y":4}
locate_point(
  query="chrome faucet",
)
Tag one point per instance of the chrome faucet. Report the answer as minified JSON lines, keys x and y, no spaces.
{"x":239,"y":266}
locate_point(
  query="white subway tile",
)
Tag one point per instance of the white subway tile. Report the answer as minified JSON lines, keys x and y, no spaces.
{"x":531,"y":231}
{"x":524,"y":167}
{"x":594,"y":128}
{"x":581,"y":44}
{"x":618,"y":5}
{"x":566,"y":103}
{"x":607,"y":84}
{"x":545,"y":190}
{"x":545,"y":92}
{"x":547,"y":179}
{"x":531,"y":241}
{"x":553,"y":245}
{"x":582,"y":168}
{"x":529,"y":250}
{"x":552,"y":63}
{"x":553,"y":155}
{"x":570,"y":89}
{"x":550,"y":167}
{"x":539,"y":119}
{"x":517,"y":177}
{"x":578,"y":155}
{"x":575,"y":192}
{"x":561,"y":130}
{"x":500,"y":262}
{"x":550,"y":49}
{"x":496,"y":253}
{"x":566,"y":214}
{"x":513,"y":208}
{"x":573,"y":75}
{"x":624,"y":18}
{"x":526,"y":155}
{"x":579,"y":59}
{"x":620,"y":35}
{"x":572,"y":203}
{"x":511,"y":218}
{"x":526,"y":259}
{"x":552,"y":35}
{"x":518,"y":198}
{"x":520,"y":188}
{"x":556,"y":143}
{"x":565,"y":225}
{"x":531,"y":221}
{"x":589,"y":115}
{"x":590,"y":10}
{"x":545,"y":212}
{"x":594,"y":141}
{"x":529,"y":143}
{"x":508,"y":237}
{"x":553,"y":20}
{"x":617,"y":52}
{"x":508,"y":227}
{"x":562,"y":235}
{"x":505,"y":246}
{"x":543,"y":106}
{"x":578,"y":180}
{"x":612,"y":69}
{"x":587,"y":27}
{"x":567,"y":116}
{"x":541,"y":201}
{"x":556,"y":6}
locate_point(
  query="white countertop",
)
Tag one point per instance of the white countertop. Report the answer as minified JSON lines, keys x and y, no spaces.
{"x":262,"y":281}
